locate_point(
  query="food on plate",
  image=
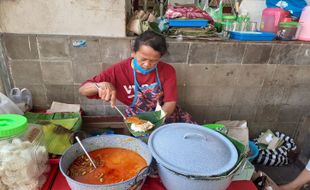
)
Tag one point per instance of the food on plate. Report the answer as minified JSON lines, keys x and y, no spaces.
{"x":139,"y":125}
{"x":113,"y":165}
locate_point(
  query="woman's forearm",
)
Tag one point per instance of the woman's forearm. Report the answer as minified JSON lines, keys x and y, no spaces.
{"x":169,"y":108}
{"x":88,"y":89}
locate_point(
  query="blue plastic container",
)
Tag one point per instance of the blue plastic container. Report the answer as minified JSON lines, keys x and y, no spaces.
{"x":253,"y":36}
{"x":188,"y":22}
{"x":254,"y":151}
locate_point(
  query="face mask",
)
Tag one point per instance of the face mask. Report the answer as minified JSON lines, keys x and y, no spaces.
{"x":143,"y":71}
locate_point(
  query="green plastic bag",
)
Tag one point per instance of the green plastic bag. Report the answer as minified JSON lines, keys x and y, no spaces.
{"x":216,"y":13}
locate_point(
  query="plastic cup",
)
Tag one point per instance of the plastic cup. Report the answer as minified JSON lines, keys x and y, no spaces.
{"x":253,"y":26}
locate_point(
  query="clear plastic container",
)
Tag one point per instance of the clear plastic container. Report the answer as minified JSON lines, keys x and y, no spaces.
{"x":23,"y":155}
{"x":271,"y":17}
{"x":287,"y":30}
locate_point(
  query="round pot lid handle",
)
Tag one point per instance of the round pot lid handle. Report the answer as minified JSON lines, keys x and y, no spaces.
{"x":195,"y":136}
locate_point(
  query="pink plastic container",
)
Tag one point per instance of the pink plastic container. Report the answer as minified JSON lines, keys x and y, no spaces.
{"x":271,"y":18}
{"x":303,"y":32}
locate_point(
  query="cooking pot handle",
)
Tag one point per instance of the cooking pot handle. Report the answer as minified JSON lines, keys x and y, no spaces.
{"x":195,"y":135}
{"x":145,"y":171}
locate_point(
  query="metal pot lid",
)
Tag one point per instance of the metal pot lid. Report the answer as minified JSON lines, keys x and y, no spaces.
{"x":192,"y":150}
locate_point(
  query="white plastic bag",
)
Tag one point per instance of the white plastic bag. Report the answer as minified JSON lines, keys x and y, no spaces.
{"x":22,"y":98}
{"x":254,"y":8}
{"x":7,"y":106}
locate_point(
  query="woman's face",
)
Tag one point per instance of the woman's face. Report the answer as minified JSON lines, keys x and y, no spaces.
{"x":147,"y":57}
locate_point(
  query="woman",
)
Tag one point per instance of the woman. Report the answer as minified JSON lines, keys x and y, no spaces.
{"x":140,"y":81}
{"x":299,"y":181}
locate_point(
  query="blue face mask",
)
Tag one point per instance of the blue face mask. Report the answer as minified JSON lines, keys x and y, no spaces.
{"x":143,"y":71}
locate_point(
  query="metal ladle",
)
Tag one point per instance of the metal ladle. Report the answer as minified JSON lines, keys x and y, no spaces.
{"x":119,"y":111}
{"x":92,"y":162}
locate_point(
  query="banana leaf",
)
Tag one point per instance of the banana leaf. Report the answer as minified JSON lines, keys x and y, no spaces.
{"x":57,"y":128}
{"x":154,"y":117}
{"x":242,"y":154}
{"x":57,"y":138}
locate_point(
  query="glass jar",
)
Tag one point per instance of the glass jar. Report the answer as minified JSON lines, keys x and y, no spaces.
{"x":23,"y":155}
{"x":287,"y":30}
{"x":226,"y":28}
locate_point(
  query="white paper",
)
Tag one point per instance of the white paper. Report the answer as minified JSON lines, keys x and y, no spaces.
{"x":57,"y":107}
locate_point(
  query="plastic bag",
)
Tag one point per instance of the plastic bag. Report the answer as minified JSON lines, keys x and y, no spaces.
{"x":139,"y":22}
{"x":7,"y":106}
{"x":237,"y":130}
{"x":22,"y":98}
{"x":293,"y":6}
{"x":217,"y":13}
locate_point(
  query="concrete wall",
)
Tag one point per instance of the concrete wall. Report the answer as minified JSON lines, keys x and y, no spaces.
{"x":267,"y":84}
{"x":303,"y":139}
{"x":1,"y":87}
{"x":69,"y":17}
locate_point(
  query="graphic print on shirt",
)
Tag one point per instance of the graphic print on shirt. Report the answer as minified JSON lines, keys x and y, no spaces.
{"x":130,"y":89}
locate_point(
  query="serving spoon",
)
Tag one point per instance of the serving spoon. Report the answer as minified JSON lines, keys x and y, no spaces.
{"x":92,"y":162}
{"x":119,"y":111}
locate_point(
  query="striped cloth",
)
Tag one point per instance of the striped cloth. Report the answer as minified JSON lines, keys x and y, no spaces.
{"x":278,"y":156}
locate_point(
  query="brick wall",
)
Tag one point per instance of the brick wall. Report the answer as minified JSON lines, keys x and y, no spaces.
{"x":265,"y":83}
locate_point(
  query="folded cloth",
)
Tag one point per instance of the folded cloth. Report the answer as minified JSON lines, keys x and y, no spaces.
{"x":189,"y":12}
{"x":207,"y":32}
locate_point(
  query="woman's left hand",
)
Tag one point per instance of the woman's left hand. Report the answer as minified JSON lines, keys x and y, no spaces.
{"x":169,"y":108}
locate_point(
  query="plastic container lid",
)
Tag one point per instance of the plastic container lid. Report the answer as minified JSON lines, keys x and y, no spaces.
{"x":288,"y":24}
{"x":257,"y":36}
{"x":192,"y":150}
{"x":214,"y":126}
{"x":12,"y":125}
{"x":229,"y":17}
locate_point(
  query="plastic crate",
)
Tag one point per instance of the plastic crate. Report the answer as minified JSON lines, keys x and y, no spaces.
{"x":188,"y":22}
{"x":253,"y":36}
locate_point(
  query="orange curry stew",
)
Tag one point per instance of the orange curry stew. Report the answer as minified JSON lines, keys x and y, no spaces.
{"x":113,"y":165}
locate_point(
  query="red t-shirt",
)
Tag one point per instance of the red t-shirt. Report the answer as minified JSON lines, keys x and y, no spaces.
{"x":121,"y":76}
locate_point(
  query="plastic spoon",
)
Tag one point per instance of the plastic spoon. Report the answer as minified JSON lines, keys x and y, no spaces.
{"x":92,"y":162}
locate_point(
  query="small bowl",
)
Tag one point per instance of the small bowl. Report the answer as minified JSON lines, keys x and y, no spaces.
{"x":253,"y":151}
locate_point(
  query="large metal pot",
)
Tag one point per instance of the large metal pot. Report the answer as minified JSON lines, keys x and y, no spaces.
{"x":192,"y":157}
{"x":173,"y":180}
{"x":104,"y":141}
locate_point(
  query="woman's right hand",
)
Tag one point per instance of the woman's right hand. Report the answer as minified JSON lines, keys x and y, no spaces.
{"x":107,"y":92}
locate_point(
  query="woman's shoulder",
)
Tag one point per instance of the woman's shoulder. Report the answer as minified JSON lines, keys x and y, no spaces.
{"x":122,"y":65}
{"x":163,"y":66}
{"x":124,"y":62}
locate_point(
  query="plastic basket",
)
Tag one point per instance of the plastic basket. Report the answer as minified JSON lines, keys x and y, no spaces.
{"x":253,"y":36}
